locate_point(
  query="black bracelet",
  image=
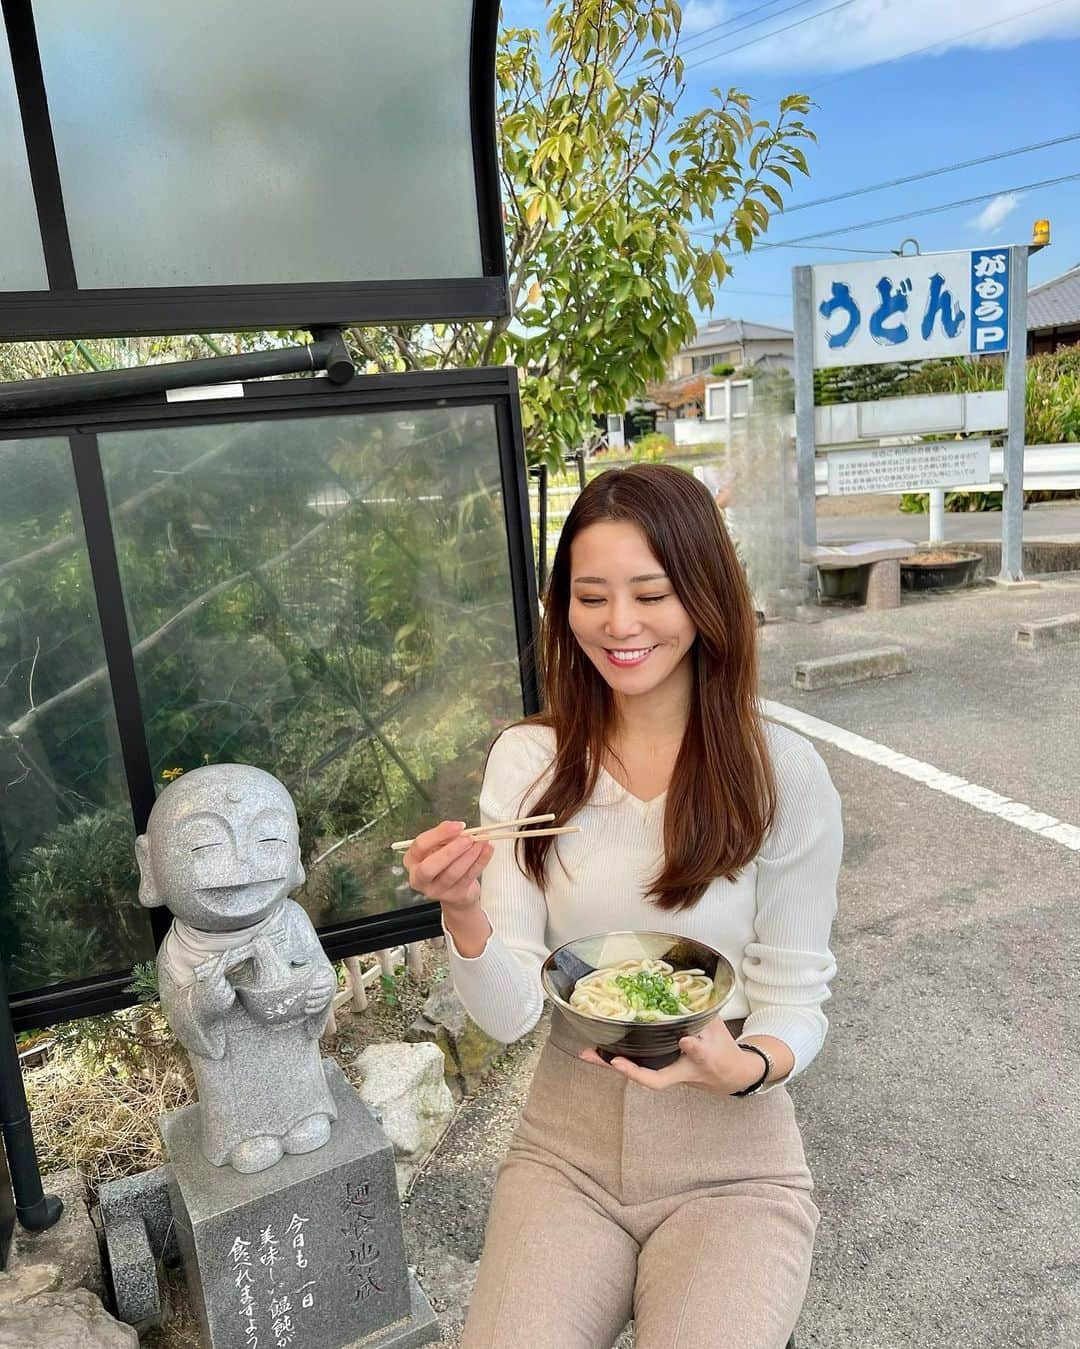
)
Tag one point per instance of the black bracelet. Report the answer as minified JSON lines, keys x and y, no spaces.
{"x":753,"y":1049}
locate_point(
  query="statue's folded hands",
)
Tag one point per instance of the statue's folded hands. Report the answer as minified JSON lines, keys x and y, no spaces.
{"x":320,"y":993}
{"x":214,"y":993}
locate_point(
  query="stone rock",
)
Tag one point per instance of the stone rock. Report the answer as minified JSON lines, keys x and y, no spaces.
{"x":22,"y":1282}
{"x":70,"y":1319}
{"x":145,"y":1195}
{"x":469,"y":1051}
{"x":136,"y":1214}
{"x":71,"y":1243}
{"x":136,"y":1289}
{"x":405,"y":1087}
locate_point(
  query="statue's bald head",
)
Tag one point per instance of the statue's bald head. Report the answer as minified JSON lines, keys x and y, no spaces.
{"x":221,"y":847}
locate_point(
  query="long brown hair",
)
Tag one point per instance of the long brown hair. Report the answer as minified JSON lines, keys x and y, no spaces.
{"x":722,"y":796}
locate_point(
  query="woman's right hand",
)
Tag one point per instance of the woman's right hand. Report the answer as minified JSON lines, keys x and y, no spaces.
{"x":445,"y":865}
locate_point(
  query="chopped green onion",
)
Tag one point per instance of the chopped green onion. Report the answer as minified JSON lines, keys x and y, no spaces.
{"x":650,"y":993}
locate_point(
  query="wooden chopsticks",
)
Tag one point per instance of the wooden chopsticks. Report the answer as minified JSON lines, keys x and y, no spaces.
{"x":494,"y":832}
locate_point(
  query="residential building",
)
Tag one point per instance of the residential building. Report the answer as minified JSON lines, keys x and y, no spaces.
{"x":738,"y":343}
{"x":1053,"y":317}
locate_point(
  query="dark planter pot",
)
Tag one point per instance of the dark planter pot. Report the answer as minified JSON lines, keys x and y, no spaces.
{"x":916,"y":575}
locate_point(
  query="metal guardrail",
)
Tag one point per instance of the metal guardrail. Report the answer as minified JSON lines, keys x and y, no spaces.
{"x":1053,"y":468}
{"x":1047,"y":468}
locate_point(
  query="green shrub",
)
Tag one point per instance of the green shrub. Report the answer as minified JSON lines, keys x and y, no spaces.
{"x":652,"y":448}
{"x":1052,"y":413}
{"x":1053,"y":389}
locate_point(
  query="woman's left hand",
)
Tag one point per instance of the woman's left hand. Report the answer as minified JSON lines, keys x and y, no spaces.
{"x":711,"y":1060}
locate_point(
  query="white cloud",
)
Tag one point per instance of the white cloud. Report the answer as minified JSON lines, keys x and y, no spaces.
{"x":989,"y":219}
{"x":868,"y":31}
{"x":699,"y":14}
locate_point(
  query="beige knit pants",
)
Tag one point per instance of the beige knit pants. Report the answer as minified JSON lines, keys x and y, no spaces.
{"x":688,"y":1211}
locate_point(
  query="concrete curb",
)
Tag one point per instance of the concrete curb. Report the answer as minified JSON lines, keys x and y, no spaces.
{"x":1039,"y":557}
{"x":851,"y":668}
{"x":1044,"y":631}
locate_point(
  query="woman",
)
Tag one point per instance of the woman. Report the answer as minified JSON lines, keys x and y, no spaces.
{"x":678,"y":1196}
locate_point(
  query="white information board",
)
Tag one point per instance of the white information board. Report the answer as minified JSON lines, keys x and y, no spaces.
{"x":909,"y":468}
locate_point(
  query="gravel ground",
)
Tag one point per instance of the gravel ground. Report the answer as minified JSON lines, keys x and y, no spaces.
{"x":446,"y":1211}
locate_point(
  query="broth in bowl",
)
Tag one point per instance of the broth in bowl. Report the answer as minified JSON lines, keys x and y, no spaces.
{"x":643,"y":990}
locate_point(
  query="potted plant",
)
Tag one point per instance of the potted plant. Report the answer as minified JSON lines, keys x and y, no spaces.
{"x":938,"y":567}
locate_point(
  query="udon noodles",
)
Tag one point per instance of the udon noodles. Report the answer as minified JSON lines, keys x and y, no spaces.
{"x":643,"y":990}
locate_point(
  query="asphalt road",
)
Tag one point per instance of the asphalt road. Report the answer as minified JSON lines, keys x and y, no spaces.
{"x":1051,"y":520}
{"x":942,"y":1118}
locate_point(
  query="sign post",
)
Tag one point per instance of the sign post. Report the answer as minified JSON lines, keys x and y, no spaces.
{"x":913,"y":308}
{"x":805,"y":441}
{"x":1012,"y":505}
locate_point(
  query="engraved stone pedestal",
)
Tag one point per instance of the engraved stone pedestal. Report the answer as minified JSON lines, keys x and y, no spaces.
{"x":307,"y":1254}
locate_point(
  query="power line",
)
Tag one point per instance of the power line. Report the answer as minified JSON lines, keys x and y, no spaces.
{"x":775,"y":32}
{"x":934,"y":173}
{"x":826,"y":248}
{"x":773,"y":294}
{"x":918,"y":177}
{"x":924,"y":210}
{"x":693,"y":42}
{"x":711,"y":42}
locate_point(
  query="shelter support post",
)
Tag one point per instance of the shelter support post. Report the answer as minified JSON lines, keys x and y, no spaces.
{"x":34,"y":1209}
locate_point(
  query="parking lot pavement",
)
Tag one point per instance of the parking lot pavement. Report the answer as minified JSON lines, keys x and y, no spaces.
{"x":942,"y":1118}
{"x":975,"y":704}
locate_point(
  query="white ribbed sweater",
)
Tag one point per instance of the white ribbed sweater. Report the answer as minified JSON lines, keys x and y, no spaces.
{"x":772,"y":922}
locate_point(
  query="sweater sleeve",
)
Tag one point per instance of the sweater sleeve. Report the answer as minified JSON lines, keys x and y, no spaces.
{"x":501,"y":987}
{"x":788,"y":965}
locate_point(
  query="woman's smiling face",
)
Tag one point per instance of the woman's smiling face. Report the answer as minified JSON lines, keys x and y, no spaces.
{"x":623,"y":610}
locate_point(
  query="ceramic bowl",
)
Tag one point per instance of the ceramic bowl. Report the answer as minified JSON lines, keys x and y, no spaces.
{"x":271,"y":1003}
{"x":652,"y":1043}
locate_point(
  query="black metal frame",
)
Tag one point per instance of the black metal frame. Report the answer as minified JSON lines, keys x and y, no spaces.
{"x":64,"y":309}
{"x":262,"y":401}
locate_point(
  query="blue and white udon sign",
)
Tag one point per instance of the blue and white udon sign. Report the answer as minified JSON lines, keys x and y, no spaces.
{"x":911,"y":308}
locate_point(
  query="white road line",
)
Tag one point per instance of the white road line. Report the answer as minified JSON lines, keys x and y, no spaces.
{"x":1014,"y":812}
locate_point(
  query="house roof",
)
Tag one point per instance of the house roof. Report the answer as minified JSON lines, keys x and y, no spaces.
{"x":1055,"y":303}
{"x":677,"y":392}
{"x":721,"y":332}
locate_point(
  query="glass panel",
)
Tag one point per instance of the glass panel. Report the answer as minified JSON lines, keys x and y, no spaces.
{"x":740,"y":399}
{"x":68,"y":881}
{"x":327,"y":598}
{"x":262,"y":141}
{"x":22,"y":263}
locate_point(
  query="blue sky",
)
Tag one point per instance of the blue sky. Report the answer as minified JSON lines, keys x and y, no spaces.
{"x":882,"y":114}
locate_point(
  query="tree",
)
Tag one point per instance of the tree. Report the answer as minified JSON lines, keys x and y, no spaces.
{"x":604,"y":181}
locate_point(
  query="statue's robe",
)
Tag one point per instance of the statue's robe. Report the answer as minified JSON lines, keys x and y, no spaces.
{"x":254,"y":1078}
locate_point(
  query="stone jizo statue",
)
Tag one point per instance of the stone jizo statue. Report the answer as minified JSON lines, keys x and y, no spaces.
{"x":243,"y":979}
